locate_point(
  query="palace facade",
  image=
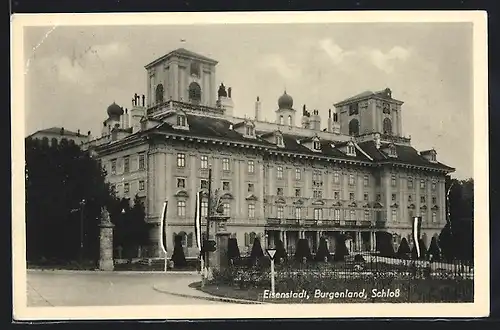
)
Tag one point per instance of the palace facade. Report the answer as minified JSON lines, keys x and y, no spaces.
{"x":358,"y":176}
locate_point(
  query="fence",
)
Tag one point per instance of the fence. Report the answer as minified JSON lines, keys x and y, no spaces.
{"x":381,"y":279}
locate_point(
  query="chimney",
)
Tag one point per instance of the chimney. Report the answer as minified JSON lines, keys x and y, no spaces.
{"x":257,"y":109}
{"x":78,"y":132}
{"x":377,"y":141}
{"x":126,"y":119}
{"x":62,"y":130}
{"x":143,"y":100}
{"x":330,"y":122}
{"x":315,"y":121}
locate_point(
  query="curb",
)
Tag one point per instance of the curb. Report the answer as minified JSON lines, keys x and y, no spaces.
{"x":209,"y":298}
{"x":117,"y":272}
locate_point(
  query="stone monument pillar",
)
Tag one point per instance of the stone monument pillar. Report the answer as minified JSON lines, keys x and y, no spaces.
{"x":106,"y":242}
{"x":218,"y":259}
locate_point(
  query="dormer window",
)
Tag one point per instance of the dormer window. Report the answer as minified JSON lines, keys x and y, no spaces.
{"x":279,"y":141}
{"x":181,"y":120}
{"x":249,"y":131}
{"x":351,"y":150}
{"x":317,"y":145}
{"x":392,"y":151}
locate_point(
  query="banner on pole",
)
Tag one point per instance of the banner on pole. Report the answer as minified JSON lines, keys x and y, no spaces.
{"x":417,"y":222}
{"x":163,"y":228}
{"x":197,"y":220}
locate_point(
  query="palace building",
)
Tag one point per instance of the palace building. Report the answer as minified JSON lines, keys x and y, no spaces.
{"x":296,"y":177}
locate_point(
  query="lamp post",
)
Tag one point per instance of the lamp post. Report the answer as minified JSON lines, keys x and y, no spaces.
{"x":82,"y":206}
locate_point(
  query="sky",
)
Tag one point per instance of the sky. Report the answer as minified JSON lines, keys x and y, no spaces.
{"x":72,"y":74}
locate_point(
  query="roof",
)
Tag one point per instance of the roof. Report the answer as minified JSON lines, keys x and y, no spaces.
{"x":405,"y":155}
{"x":57,"y":130}
{"x":183,"y":53}
{"x":367,"y":94}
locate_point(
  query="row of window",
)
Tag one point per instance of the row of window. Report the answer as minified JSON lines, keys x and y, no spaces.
{"x":348,"y":214}
{"x":187,"y":240}
{"x":126,"y":164}
{"x":126,"y":187}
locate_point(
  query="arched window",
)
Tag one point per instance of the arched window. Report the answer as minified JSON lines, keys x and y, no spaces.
{"x":354,"y":127}
{"x":282,"y":120}
{"x":54,"y":142}
{"x":45,"y":141}
{"x":194,"y":92}
{"x":159,"y":93}
{"x":289,"y":120}
{"x":387,"y":126}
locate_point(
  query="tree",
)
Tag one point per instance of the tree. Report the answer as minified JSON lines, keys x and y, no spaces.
{"x":140,"y":228}
{"x":456,"y":240}
{"x":322,"y":251}
{"x":233,"y":251}
{"x":303,"y":250}
{"x":178,"y":256}
{"x":65,"y":190}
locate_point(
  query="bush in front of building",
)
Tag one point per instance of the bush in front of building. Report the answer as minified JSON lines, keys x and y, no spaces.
{"x":233,"y":252}
{"x":340,"y":249}
{"x":323,"y":254}
{"x":404,"y":249}
{"x":256,"y":252}
{"x":280,"y":252}
{"x":303,"y":252}
{"x":384,"y":244}
{"x":434,"y":254}
{"x":178,"y":256}
{"x":423,"y":250}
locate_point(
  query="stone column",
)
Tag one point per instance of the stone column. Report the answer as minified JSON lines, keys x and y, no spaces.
{"x":106,"y":242}
{"x":221,"y":261}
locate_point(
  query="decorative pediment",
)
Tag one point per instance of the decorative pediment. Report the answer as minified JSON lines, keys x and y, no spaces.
{"x":227,"y":196}
{"x":411,"y":206}
{"x":423,"y":207}
{"x":395,"y":206}
{"x":280,"y":201}
{"x":204,"y":193}
{"x":337,"y":203}
{"x":353,"y":204}
{"x":377,"y":205}
{"x":251,"y":197}
{"x":366,"y":205}
{"x":181,"y":193}
{"x":299,"y":202}
{"x":318,"y":202}
{"x":275,"y":137}
{"x":435,"y":208}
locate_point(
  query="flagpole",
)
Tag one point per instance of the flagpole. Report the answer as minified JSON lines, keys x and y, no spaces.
{"x":209,"y":207}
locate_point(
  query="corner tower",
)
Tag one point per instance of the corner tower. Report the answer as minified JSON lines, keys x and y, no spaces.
{"x":370,"y":112}
{"x":182,"y":76}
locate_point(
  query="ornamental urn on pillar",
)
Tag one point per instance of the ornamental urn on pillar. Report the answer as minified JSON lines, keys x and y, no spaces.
{"x":106,"y":242}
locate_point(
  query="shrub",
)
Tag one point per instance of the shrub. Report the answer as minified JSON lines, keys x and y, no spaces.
{"x":256,"y":251}
{"x":303,"y":250}
{"x":434,"y":251}
{"x":404,"y":249}
{"x":384,"y":244}
{"x":359,"y":258}
{"x":340,"y":249}
{"x":233,"y":252}
{"x":323,"y":251}
{"x":178,"y":256}
{"x":423,"y":250}
{"x":280,"y":252}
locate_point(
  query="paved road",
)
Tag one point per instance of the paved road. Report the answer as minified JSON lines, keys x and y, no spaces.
{"x":53,"y":288}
